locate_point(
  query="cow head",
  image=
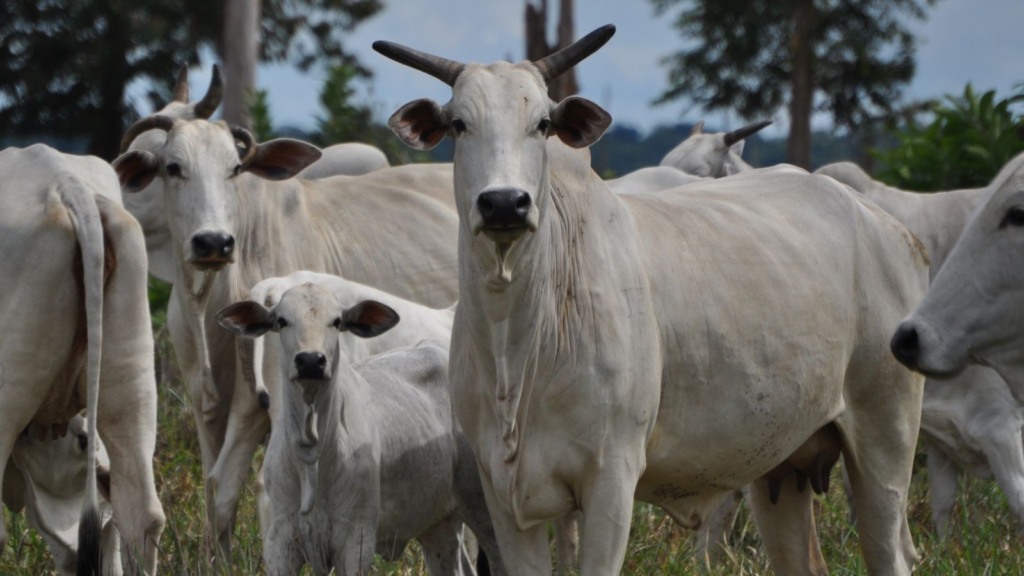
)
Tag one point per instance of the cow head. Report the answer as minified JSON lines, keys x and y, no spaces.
{"x":199,"y":163}
{"x":712,"y":155}
{"x":974,"y":309}
{"x":500,"y":117}
{"x":308,"y":319}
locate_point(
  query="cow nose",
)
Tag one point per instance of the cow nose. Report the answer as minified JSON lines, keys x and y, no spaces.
{"x":506,"y":208}
{"x":213,"y":245}
{"x":906,"y":345}
{"x":310,"y":365}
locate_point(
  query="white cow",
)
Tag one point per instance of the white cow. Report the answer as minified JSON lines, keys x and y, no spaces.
{"x":712,"y":155}
{"x":363,"y":457}
{"x":236,"y":217}
{"x":46,"y":478}
{"x":75,"y":290}
{"x":351,"y":158}
{"x":651,"y":179}
{"x":348,"y":158}
{"x":672,"y":347}
{"x":972,"y":312}
{"x":971,"y":421}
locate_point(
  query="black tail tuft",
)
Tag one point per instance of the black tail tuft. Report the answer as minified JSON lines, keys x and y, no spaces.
{"x":89,"y":532}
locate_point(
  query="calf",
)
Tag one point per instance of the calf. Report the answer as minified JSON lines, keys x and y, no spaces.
{"x":368,"y":455}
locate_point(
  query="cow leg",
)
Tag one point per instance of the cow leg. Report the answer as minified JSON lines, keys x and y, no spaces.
{"x":879,"y":456}
{"x":713,"y":534}
{"x":607,"y":512}
{"x":128,"y":402}
{"x":567,"y":540}
{"x":787,"y":528}
{"x":282,"y":554}
{"x":942,"y":483}
{"x":1004,"y":450}
{"x":248,"y":424}
{"x":469,"y":494}
{"x":528,"y":549}
{"x":442,"y":548}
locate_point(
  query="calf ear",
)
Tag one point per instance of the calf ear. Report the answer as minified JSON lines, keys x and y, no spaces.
{"x":246,"y":318}
{"x":579,"y":122}
{"x":281,"y":159}
{"x":421,"y":124}
{"x":135,"y":169}
{"x":369,"y":318}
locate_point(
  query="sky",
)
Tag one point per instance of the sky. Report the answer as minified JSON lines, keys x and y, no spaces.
{"x":976,"y":41}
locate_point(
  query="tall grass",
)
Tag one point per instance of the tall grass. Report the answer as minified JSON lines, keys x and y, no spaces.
{"x":983,"y":538}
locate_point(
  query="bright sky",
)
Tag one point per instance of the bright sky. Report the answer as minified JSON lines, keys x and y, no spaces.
{"x":962,"y":41}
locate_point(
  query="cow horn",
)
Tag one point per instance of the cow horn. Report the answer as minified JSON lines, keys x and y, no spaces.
{"x":554,"y":65}
{"x":149,"y":123}
{"x":208,"y":105}
{"x":247,"y":141}
{"x":744,"y":132}
{"x":181,"y":86}
{"x":441,"y":68}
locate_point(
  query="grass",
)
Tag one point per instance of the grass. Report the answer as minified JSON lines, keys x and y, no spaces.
{"x":984,"y":539}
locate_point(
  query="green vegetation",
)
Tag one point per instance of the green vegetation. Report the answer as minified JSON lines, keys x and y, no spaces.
{"x":965,"y":142}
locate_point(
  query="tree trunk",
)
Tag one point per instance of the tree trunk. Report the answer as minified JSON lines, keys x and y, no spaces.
{"x":798,"y":147}
{"x":537,"y":45}
{"x":241,"y":44}
{"x":106,"y":139}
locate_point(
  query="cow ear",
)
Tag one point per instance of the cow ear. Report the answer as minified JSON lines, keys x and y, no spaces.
{"x":246,"y":318}
{"x":369,"y":318}
{"x":579,"y":122}
{"x":135,"y":169}
{"x":421,"y":124}
{"x":281,"y":159}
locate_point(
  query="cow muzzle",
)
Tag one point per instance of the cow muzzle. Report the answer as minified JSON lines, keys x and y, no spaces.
{"x":505,"y":214}
{"x":211,"y":250}
{"x":311,"y":366}
{"x":916,"y":348}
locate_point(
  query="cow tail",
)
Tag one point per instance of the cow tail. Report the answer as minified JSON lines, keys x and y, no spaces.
{"x":88,"y":227}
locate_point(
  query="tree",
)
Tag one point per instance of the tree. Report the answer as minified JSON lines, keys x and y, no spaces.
{"x":537,"y":45}
{"x":65,"y":65}
{"x":850,"y":59}
{"x":965,"y":143}
{"x":240,"y":50}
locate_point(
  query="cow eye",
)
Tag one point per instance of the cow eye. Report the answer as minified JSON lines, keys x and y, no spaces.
{"x":83,"y":441}
{"x":458,"y":126}
{"x":281,"y":323}
{"x":1013,"y":217}
{"x":544,"y":126}
{"x":236,"y":170}
{"x":174,"y":170}
{"x":337,"y":324}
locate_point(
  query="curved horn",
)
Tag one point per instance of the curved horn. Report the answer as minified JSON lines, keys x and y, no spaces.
{"x":206,"y":107}
{"x":553,"y":66}
{"x":441,"y":68}
{"x":245,"y":142}
{"x":181,"y":86}
{"x":164,"y":123}
{"x":744,"y":132}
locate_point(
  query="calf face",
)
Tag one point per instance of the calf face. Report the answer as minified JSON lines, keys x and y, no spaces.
{"x":308,"y":319}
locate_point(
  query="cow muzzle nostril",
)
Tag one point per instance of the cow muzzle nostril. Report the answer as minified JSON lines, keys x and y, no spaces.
{"x":906,"y":345}
{"x":506,"y":208}
{"x":311,"y":365}
{"x":213,"y":246}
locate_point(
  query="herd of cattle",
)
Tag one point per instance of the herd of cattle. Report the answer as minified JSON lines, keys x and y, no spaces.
{"x":498,"y":343}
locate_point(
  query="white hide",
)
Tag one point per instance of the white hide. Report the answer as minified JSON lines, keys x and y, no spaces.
{"x":651,"y":179}
{"x":58,"y":209}
{"x":363,"y":457}
{"x":972,"y":312}
{"x":350,"y":158}
{"x":46,"y":476}
{"x":365,"y":228}
{"x":668,"y":346}
{"x":970,"y":421}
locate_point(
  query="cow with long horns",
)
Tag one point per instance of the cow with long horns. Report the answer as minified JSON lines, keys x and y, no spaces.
{"x":668,"y":346}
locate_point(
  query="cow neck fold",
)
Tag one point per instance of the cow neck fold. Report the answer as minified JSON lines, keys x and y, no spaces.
{"x":543,"y":305}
